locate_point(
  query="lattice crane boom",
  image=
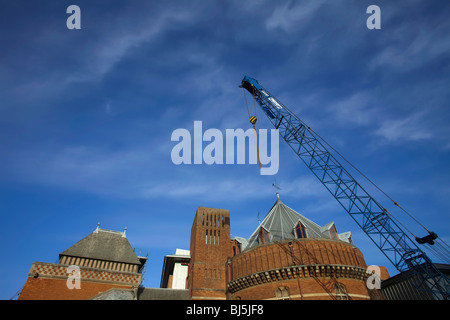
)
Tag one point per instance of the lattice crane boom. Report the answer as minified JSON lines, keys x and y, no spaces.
{"x":369,"y":214}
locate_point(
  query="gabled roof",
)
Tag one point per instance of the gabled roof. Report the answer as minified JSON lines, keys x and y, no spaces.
{"x":281,"y":221}
{"x":242,"y":241}
{"x":345,"y":236}
{"x":105,"y":245}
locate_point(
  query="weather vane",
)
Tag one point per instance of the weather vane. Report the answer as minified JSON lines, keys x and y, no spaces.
{"x":277,"y":188}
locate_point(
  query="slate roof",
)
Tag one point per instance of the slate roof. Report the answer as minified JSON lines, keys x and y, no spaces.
{"x":280,"y":222}
{"x":162,"y":294}
{"x":143,"y":294}
{"x":106,"y":245}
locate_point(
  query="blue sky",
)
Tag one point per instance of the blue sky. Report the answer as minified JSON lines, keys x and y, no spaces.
{"x":87,"y":116}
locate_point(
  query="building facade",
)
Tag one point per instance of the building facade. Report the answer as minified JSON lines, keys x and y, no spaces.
{"x":210,"y":249}
{"x":102,"y":261}
{"x":175,"y":270}
{"x":399,"y":287}
{"x":287,"y":257}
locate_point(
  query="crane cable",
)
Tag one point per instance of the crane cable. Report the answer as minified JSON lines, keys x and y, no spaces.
{"x":253,"y":120}
{"x":439,"y":251}
{"x":384,"y":193}
{"x":359,"y":173}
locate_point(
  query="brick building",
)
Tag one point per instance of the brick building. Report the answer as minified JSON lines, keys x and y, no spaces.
{"x":287,"y":257}
{"x":106,"y":262}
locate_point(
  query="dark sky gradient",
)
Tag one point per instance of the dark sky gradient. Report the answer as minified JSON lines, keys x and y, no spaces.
{"x":87,"y":116}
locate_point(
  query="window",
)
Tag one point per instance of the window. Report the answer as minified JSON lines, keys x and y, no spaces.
{"x":300,"y":231}
{"x":263,"y":236}
{"x":237,"y":247}
{"x":340,"y":291}
{"x":333,"y":233}
{"x":282,"y":293}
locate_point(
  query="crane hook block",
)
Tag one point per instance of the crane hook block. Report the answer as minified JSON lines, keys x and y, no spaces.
{"x":427,"y":239}
{"x":253,"y":120}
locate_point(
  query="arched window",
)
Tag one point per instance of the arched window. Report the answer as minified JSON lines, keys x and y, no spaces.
{"x":340,"y":291}
{"x":282,"y":293}
{"x":300,"y":231}
{"x":264,"y":236}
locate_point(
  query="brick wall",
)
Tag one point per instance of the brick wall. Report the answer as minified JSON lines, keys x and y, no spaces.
{"x":308,"y":269}
{"x":305,"y":289}
{"x":47,"y":281}
{"x":210,"y":249}
{"x":303,"y":252}
{"x":56,"y":289}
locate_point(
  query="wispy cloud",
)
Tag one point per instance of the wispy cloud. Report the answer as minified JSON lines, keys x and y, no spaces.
{"x":88,"y":55}
{"x":237,"y":189}
{"x":412,"y":50}
{"x":95,"y":170}
{"x":410,"y":128}
{"x":89,"y":114}
{"x":356,"y":109}
{"x":291,"y":14}
{"x":125,"y":37}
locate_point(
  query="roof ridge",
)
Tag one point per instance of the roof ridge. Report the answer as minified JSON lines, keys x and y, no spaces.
{"x":302,"y":216}
{"x":104,"y":244}
{"x":110,"y":231}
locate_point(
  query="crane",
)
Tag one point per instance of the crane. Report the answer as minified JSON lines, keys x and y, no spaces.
{"x":374,"y":219}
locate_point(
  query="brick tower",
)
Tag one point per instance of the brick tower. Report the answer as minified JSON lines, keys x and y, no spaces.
{"x":104,"y":259}
{"x":210,"y":249}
